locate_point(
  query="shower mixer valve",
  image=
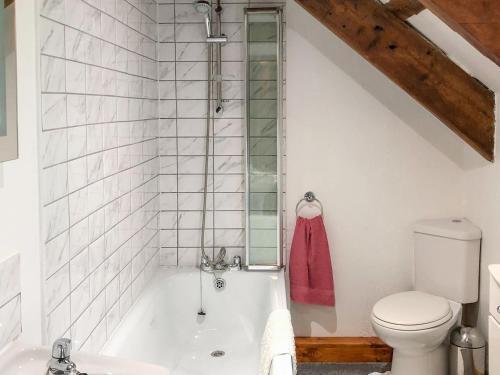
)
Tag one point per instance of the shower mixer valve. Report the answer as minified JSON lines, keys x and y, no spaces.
{"x":219,"y":264}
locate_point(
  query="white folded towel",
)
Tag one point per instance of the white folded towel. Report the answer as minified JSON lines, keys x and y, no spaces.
{"x":278,"y":339}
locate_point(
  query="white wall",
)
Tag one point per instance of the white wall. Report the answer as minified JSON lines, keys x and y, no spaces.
{"x":367,"y":150}
{"x":19,"y":228}
{"x":482,"y":206}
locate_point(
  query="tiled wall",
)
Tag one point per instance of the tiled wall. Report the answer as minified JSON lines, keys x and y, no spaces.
{"x":99,"y":162}
{"x":10,"y":300}
{"x":183,"y":110}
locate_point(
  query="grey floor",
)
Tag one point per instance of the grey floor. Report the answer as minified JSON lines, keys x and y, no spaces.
{"x":341,"y":369}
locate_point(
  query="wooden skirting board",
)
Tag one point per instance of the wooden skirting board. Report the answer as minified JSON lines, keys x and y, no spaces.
{"x":342,"y":349}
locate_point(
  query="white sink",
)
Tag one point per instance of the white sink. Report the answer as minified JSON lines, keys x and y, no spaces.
{"x":20,"y":358}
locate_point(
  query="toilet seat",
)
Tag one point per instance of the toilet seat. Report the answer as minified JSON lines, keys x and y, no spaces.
{"x":412,"y":311}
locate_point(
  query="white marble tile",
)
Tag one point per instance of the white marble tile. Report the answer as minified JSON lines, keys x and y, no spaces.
{"x":234,"y":52}
{"x":168,"y":201}
{"x":53,"y":9}
{"x":229,"y":164}
{"x":53,"y":111}
{"x":166,"y":13}
{"x":56,"y":253}
{"x":166,"y":51}
{"x":167,"y":90}
{"x":193,"y":201}
{"x":94,"y":138}
{"x":229,"y":219}
{"x":229,"y":183}
{"x":78,"y":205}
{"x":233,"y":71}
{"x":229,"y":237}
{"x":79,"y":267}
{"x":10,"y":321}
{"x":77,"y":45}
{"x":80,"y":299}
{"x":77,"y":142}
{"x":125,"y":301}
{"x":58,"y":321}
{"x":167,"y":127}
{"x":75,"y":77}
{"x":96,"y":239}
{"x":57,"y":288}
{"x":185,"y":13}
{"x":192,"y":89}
{"x":117,"y":84}
{"x":79,"y":237}
{"x":77,"y":174}
{"x":228,"y":128}
{"x":191,"y":108}
{"x":192,"y":71}
{"x":94,"y":109}
{"x":229,"y":201}
{"x":55,"y":216}
{"x":51,"y":38}
{"x":168,"y":256}
{"x":233,"y":90}
{"x":194,"y":183}
{"x":52,"y":75}
{"x":185,"y":32}
{"x":167,"y":71}
{"x":108,"y":26}
{"x":233,"y":13}
{"x":95,"y":167}
{"x":192,"y":146}
{"x":9,"y":278}
{"x":229,"y":146}
{"x":83,"y":17}
{"x":76,"y":110}
{"x":193,"y":219}
{"x":166,"y":33}
{"x":89,"y":319}
{"x":191,"y":51}
{"x":188,"y":257}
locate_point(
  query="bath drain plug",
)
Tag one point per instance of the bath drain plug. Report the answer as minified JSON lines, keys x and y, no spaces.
{"x":218,"y":353}
{"x":219,"y":283}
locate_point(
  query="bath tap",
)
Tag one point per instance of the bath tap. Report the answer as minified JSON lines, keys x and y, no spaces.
{"x":219,"y":263}
{"x":60,"y":363}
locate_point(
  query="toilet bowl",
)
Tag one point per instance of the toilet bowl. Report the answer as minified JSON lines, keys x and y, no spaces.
{"x":416,"y":325}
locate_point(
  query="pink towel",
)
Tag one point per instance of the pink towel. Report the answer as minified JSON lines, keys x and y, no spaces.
{"x":311,"y":275}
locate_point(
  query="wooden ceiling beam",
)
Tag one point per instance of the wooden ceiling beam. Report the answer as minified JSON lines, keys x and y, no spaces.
{"x":415,"y":64}
{"x":478,"y":21}
{"x":404,"y":9}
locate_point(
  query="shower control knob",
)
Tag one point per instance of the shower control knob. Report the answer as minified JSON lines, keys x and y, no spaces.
{"x":498,"y":309}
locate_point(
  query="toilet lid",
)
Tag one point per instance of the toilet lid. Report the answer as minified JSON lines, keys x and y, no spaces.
{"x":412,"y":310}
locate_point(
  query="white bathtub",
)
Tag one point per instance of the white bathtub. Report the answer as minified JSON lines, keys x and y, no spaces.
{"x":164,"y":327}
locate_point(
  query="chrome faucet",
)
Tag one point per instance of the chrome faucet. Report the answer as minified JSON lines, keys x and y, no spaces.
{"x":219,"y":264}
{"x":60,"y":363}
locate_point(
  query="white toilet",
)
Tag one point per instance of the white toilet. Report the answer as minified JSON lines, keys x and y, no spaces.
{"x":416,"y":324}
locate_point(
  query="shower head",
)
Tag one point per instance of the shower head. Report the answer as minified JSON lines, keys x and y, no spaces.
{"x":204,"y":8}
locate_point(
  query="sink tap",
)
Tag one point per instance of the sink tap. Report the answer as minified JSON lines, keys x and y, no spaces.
{"x":60,"y":363}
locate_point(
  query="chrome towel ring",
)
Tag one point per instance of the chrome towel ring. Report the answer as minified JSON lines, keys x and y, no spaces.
{"x":309,"y":197}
